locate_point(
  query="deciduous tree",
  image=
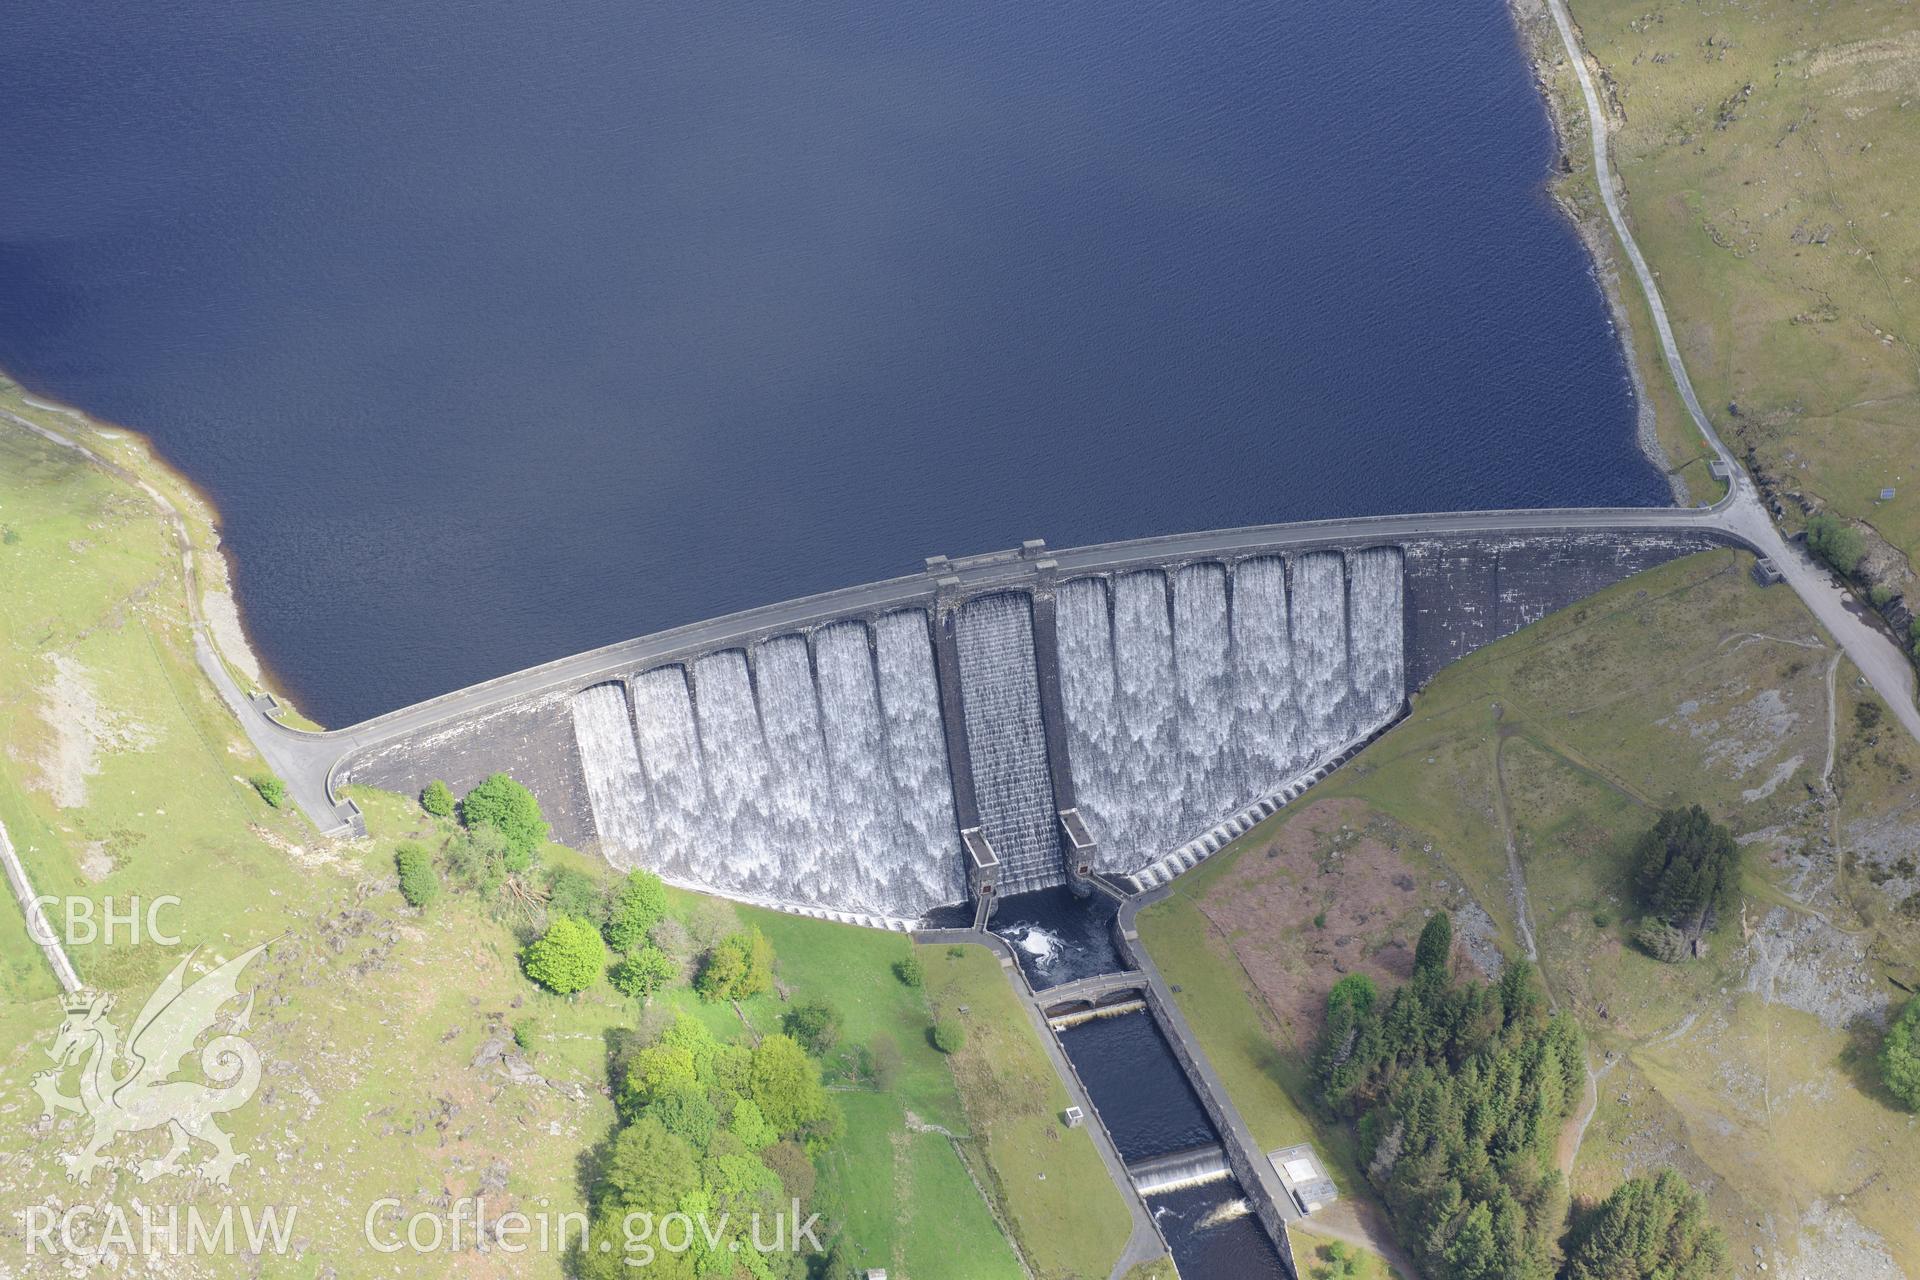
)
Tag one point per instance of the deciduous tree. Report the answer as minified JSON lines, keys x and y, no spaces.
{"x":271,"y":789}
{"x":513,"y":811}
{"x":572,"y":892}
{"x":643,"y":972}
{"x":785,"y":1084}
{"x":437,"y":799}
{"x":1836,"y":542}
{"x":478,"y":861}
{"x":815,"y":1024}
{"x":948,"y":1036}
{"x":1900,"y":1057}
{"x":639,"y":903}
{"x":419,"y":883}
{"x":740,"y":965}
{"x":567,"y":958}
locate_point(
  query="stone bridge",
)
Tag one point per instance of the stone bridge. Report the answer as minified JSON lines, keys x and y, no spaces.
{"x":1088,"y":991}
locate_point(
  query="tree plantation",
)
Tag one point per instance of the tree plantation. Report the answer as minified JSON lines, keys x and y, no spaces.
{"x":1458,"y":1092}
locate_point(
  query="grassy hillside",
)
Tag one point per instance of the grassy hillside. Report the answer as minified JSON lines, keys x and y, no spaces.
{"x":1047,"y":1178}
{"x":405,"y":1054}
{"x":1748,"y":1070}
{"x":1768,"y":148}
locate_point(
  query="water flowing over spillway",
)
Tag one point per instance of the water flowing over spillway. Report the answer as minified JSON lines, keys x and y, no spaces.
{"x":812,"y":774}
{"x":1376,"y":620}
{"x":812,"y":771}
{"x":1000,"y":686}
{"x":1190,"y":695}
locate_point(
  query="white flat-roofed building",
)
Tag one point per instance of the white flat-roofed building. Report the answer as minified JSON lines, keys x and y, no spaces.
{"x":1304,"y":1177}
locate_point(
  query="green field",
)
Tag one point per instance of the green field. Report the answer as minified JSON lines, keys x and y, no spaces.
{"x":1049,"y":1180}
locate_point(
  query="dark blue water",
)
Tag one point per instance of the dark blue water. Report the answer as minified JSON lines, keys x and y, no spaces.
{"x":499,"y":330}
{"x":1057,"y":937}
{"x":1214,"y":1236}
{"x":1142,"y":1095}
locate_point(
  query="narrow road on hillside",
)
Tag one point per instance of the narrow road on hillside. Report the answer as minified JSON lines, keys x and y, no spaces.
{"x":309,"y":790}
{"x":1363,"y":1223}
{"x":1516,"y":872}
{"x":1575,"y":1131}
{"x":1572,"y":1139}
{"x":1833,"y":716}
{"x":1877,"y":655}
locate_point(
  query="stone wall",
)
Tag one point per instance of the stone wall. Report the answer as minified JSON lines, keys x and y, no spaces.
{"x":1463,"y":594}
{"x":531,"y":740}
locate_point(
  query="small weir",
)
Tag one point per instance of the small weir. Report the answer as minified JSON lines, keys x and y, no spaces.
{"x":1172,"y":1152}
{"x":1180,"y":1169}
{"x":1073,"y":1018}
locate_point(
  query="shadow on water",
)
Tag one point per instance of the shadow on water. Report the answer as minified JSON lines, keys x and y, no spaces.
{"x":954,"y":915}
{"x":1057,"y":937}
{"x":1214,"y":1233}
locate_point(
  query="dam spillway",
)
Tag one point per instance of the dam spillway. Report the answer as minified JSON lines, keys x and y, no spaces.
{"x":1138,"y":705}
{"x":791,"y":769}
{"x":1007,"y":740}
{"x":1189,"y":695}
{"x":818,"y":763}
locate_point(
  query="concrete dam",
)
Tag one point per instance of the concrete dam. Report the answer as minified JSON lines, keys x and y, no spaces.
{"x":1190,"y":695}
{"x":812,"y":763}
{"x":1007,"y":722}
{"x":818,"y":762}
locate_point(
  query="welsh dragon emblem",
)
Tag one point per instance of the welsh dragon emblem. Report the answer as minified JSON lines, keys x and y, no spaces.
{"x":127,"y":1090}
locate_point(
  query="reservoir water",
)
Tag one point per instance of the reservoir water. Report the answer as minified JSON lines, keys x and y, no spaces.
{"x":498,"y":331}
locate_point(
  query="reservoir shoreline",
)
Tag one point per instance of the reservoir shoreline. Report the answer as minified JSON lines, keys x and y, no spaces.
{"x":1540,"y":45}
{"x":1253,"y":325}
{"x":214,"y":566}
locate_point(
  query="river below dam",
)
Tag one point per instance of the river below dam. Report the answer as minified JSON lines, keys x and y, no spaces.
{"x":500,"y":331}
{"x":1149,"y":1107}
